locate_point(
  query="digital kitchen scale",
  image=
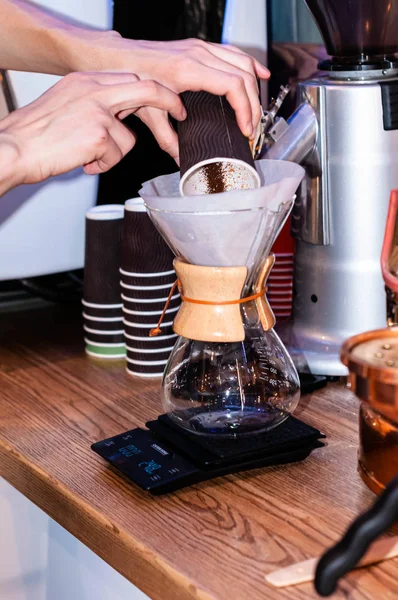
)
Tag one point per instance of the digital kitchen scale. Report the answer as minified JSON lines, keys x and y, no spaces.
{"x":164,"y":458}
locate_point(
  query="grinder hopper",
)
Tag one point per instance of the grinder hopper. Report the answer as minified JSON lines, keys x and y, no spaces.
{"x":357,"y":29}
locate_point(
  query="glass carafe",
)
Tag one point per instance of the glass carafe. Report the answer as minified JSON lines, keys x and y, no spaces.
{"x":229,"y":373}
{"x":230,"y":389}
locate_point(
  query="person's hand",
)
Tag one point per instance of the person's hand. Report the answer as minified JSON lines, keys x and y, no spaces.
{"x":33,"y":40}
{"x":186,"y":65}
{"x":77,"y":123}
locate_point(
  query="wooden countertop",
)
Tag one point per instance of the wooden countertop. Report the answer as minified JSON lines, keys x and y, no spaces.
{"x":215,"y":540}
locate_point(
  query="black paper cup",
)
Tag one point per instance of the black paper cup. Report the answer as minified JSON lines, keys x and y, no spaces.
{"x":102,"y":313}
{"x":149,"y":279}
{"x":153,"y":305}
{"x":105,"y":351}
{"x":160,"y":342}
{"x":143,"y":248}
{"x":146,"y":370}
{"x":139,"y":356}
{"x":138,"y":330}
{"x":145,"y":292}
{"x":104,"y":340}
{"x":104,"y":226}
{"x":104,"y":337}
{"x":215,"y":156}
{"x":98,"y":324}
{"x":148,"y":318}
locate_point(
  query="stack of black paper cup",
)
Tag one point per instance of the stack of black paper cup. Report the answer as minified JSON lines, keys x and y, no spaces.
{"x":147,"y":276}
{"x":102,"y":303}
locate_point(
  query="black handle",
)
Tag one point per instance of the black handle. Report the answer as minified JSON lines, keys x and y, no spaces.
{"x":345,"y":555}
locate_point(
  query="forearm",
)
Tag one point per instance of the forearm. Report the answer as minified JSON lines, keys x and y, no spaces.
{"x":33,"y":40}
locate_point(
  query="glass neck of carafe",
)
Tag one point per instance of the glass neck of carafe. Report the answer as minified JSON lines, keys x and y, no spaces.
{"x":270,"y":225}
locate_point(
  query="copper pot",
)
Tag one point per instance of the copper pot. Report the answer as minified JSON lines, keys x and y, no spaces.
{"x":372,"y":360}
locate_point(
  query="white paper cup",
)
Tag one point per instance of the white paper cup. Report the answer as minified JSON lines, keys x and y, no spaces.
{"x":103,"y":319}
{"x":152,"y":351}
{"x":144,"y":375}
{"x":152,"y":344}
{"x":105,"y":356}
{"x":105,"y":306}
{"x":146,"y":288}
{"x":103,"y":345}
{"x":148,"y":326}
{"x":101,"y":332}
{"x":147,"y":275}
{"x":150,"y":313}
{"x":105,"y":351}
{"x":149,"y":363}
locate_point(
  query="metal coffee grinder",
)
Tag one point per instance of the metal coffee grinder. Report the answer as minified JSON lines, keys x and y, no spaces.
{"x":345,"y":133}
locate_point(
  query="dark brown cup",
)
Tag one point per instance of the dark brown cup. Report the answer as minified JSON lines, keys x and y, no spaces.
{"x":102,"y":254}
{"x":143,"y":248}
{"x":211,"y":132}
{"x":103,"y":313}
{"x":156,"y":356}
{"x":145,"y":370}
{"x":153,"y":280}
{"x":144,"y":331}
{"x":155,"y":306}
{"x":146,"y":293}
{"x":149,"y":319}
{"x":151,"y":343}
{"x":103,"y":325}
{"x":117,"y":338}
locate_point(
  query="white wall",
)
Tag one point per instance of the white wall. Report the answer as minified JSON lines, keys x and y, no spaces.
{"x":39,"y":560}
{"x":42,"y":225}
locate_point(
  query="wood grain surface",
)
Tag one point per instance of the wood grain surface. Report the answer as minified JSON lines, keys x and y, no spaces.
{"x":215,"y":540}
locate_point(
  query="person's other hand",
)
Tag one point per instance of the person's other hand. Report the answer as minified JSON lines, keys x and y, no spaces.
{"x":78,"y":123}
{"x":186,"y":65}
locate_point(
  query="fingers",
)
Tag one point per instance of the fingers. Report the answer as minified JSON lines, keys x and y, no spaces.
{"x":124,"y":137}
{"x":158,"y":122}
{"x":111,"y":147}
{"x":103,"y":78}
{"x":222,"y":83}
{"x":227,"y":60}
{"x":251,"y":66}
{"x":221,"y":49}
{"x":110,"y":156}
{"x":245,"y":72}
{"x":128,"y":97}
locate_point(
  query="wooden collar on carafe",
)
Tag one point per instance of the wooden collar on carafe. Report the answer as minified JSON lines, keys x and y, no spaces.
{"x":210,"y":309}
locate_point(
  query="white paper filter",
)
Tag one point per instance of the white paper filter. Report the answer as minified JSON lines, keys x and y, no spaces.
{"x":227,"y":229}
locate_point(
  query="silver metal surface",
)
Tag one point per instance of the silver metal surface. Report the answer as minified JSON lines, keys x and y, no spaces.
{"x":298,"y":139}
{"x":267,"y":121}
{"x":339,"y":290}
{"x":375,"y":74}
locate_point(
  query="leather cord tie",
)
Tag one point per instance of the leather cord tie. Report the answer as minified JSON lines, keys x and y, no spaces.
{"x":157,"y":330}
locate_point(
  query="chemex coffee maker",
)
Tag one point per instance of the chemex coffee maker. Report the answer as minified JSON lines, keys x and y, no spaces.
{"x":345,"y":133}
{"x":229,"y":374}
